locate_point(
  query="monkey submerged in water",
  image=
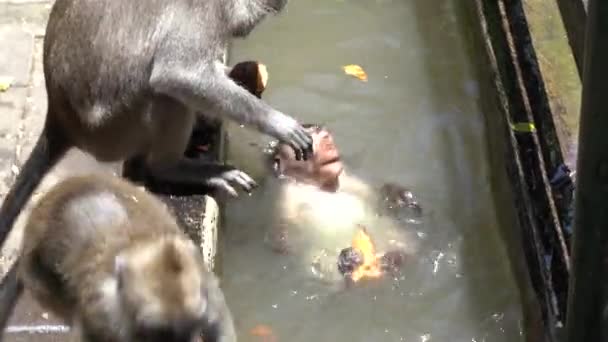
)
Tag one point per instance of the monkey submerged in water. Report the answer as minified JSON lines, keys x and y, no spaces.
{"x":128,"y":79}
{"x":325,"y":171}
{"x":319,"y":199}
{"x":110,"y":259}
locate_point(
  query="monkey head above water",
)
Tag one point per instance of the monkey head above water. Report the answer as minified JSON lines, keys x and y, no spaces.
{"x":320,"y":204}
{"x":323,"y":169}
{"x":326,"y":171}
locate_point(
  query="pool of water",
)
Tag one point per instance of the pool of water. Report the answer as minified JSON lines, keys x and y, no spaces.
{"x":418,"y":122}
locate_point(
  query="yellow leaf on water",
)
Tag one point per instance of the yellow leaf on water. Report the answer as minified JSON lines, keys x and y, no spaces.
{"x":355,"y":70}
{"x":264,"y":332}
{"x":5,"y":83}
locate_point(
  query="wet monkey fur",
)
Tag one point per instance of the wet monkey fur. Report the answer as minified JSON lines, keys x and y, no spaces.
{"x":128,"y":79}
{"x":109,"y":259}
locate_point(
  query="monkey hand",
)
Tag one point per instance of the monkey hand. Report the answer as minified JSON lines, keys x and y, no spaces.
{"x":288,"y":131}
{"x":222,"y":181}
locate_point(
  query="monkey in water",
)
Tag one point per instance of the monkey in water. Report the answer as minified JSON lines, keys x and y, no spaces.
{"x":317,"y":207}
{"x":128,"y":79}
{"x":109,"y":259}
{"x":324,"y":175}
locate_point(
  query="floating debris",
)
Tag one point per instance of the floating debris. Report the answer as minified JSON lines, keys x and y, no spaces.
{"x":356,"y":71}
{"x":5,"y":83}
{"x":360,"y":260}
{"x":264,"y":332}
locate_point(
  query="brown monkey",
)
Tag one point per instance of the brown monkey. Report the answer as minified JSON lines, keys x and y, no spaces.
{"x":109,"y":259}
{"x":127,"y":79}
{"x":326,"y":171}
{"x":321,"y":203}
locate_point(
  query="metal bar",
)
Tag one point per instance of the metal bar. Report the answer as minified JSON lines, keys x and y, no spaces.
{"x":574,"y":17}
{"x":588,"y":290}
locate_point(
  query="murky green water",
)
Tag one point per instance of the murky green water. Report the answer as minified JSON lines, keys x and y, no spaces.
{"x":418,"y":122}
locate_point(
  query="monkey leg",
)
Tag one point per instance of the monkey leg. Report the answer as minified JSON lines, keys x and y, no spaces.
{"x":206,"y":173}
{"x":165,"y":161}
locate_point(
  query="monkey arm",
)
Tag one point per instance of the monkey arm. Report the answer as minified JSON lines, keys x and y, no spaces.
{"x":209,"y":90}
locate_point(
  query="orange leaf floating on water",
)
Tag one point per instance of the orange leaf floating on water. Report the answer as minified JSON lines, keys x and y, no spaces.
{"x":264,"y":332}
{"x":370,"y":267}
{"x":355,"y":70}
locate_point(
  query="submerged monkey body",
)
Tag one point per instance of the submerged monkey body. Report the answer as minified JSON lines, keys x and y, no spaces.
{"x":110,"y":259}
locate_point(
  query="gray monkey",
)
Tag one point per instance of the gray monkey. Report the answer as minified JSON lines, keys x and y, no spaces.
{"x":128,"y":79}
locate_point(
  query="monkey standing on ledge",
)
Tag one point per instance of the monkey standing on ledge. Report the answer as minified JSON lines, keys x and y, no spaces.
{"x":128,"y":79}
{"x":109,"y":259}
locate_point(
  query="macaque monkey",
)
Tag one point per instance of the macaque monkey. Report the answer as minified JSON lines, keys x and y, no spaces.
{"x":321,"y":199}
{"x":109,"y":259}
{"x":128,"y":79}
{"x":325,"y":172}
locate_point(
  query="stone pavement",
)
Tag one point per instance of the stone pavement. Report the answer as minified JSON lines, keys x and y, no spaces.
{"x":22,"y":112}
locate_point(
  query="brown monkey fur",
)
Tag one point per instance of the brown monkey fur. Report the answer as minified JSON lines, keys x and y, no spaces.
{"x":110,"y":259}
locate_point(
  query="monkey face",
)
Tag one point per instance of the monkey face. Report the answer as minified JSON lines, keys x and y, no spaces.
{"x":323,"y":169}
{"x":159,"y":282}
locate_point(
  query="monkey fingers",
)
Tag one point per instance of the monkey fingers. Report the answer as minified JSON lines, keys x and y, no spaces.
{"x":292,"y":133}
{"x":200,"y":172}
{"x":236,"y":176}
{"x":302,"y":144}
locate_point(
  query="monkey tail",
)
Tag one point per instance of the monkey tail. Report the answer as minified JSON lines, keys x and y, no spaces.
{"x":11,"y":289}
{"x":48,"y":150}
